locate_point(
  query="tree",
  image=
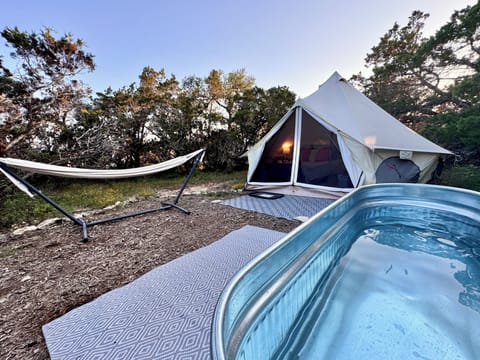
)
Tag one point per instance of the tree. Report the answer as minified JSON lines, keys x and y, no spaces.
{"x":155,"y":97}
{"x":398,"y":74}
{"x":40,"y":95}
{"x":456,"y":45}
{"x":412,"y":76}
{"x":431,"y":84}
{"x":226,"y":93}
{"x":275,"y":104}
{"x":191,"y":126}
{"x":459,"y":132}
{"x":455,"y":49}
{"x":131,"y":119}
{"x":95,"y":140}
{"x":259,"y":110}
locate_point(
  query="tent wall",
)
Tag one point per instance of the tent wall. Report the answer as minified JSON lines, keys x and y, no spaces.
{"x":355,"y":172}
{"x":306,"y":140}
{"x":340,"y":138}
{"x":351,"y":112}
{"x":427,"y":163}
{"x":366,"y":159}
{"x":308,"y":149}
{"x":369,"y":161}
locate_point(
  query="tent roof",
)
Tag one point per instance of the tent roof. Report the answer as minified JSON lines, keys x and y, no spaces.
{"x":349,"y":111}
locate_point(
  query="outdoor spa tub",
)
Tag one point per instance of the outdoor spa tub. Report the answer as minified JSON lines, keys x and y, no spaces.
{"x":388,"y":272}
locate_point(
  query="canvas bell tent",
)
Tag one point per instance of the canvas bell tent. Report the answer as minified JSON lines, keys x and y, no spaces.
{"x":337,"y":139}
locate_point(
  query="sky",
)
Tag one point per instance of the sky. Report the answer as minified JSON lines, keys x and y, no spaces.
{"x":298,"y":44}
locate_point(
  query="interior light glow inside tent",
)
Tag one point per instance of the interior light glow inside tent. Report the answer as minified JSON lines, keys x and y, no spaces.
{"x":337,"y":139}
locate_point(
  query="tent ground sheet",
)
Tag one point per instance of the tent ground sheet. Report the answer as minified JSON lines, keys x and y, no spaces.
{"x":288,"y":206}
{"x":164,"y":314}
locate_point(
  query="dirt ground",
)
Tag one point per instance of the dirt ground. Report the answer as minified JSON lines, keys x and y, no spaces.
{"x":45,"y":273}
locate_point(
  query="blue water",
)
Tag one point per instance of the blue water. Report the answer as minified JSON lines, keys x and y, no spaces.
{"x":401,"y":292}
{"x":388,"y":272}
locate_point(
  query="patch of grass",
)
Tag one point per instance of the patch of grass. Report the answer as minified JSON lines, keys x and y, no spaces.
{"x":7,"y":252}
{"x":201,"y":177}
{"x":467,"y":177}
{"x":76,"y":195}
{"x":238,"y":186}
{"x":216,"y":194}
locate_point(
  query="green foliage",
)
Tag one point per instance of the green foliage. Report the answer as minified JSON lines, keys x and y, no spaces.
{"x":41,"y":92}
{"x":458,"y":131}
{"x":432,"y":85}
{"x":45,"y":115}
{"x":8,"y":252}
{"x":397,"y":71}
{"x":467,"y":177}
{"x":227,"y":91}
{"x":75,"y":195}
{"x":260,"y":109}
{"x":468,"y":88}
{"x":161,"y":118}
{"x":238,"y":186}
{"x":223,"y":149}
{"x":49,"y":54}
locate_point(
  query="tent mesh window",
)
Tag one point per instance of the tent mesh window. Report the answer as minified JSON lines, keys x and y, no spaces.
{"x":320,"y":160}
{"x":276,"y":162}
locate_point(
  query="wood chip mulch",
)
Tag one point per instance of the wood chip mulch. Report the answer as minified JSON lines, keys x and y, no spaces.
{"x":45,"y":273}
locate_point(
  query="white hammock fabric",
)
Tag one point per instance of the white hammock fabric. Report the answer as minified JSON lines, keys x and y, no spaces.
{"x":64,"y":171}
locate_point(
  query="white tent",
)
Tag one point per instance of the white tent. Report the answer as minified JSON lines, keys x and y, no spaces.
{"x":337,"y":139}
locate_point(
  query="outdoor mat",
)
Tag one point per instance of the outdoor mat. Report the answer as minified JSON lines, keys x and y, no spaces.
{"x":164,"y":314}
{"x":288,"y":206}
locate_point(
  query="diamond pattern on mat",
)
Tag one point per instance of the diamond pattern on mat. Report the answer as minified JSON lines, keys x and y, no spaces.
{"x":288,"y":206}
{"x":164,"y":314}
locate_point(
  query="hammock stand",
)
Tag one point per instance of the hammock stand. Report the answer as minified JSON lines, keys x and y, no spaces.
{"x":86,"y":224}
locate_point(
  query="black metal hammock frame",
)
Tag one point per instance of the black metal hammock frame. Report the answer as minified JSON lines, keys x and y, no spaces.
{"x":86,"y":224}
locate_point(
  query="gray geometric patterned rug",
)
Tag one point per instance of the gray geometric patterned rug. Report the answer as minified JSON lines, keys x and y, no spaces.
{"x":288,"y":206}
{"x":164,"y":314}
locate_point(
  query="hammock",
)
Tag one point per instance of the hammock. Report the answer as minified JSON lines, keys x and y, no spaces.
{"x":63,"y":171}
{"x":70,"y":172}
